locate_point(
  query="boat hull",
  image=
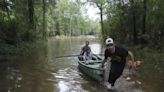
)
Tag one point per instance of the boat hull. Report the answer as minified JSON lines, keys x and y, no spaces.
{"x":92,"y":70}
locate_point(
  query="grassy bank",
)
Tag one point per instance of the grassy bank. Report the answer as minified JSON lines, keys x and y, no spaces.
{"x":152,"y":67}
{"x":10,"y":52}
{"x":75,"y":37}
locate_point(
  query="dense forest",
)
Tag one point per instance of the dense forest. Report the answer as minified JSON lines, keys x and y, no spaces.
{"x":29,"y":20}
{"x":135,"y":21}
{"x":128,"y":21}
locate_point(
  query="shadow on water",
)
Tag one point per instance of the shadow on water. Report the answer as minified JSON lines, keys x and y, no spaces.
{"x":39,"y":71}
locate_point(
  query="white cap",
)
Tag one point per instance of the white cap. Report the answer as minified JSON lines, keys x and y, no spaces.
{"x":109,"y":41}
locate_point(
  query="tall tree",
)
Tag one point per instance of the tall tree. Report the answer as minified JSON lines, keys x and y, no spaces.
{"x":135,"y":39}
{"x":44,"y":18}
{"x":144,"y":17}
{"x":31,"y":13}
{"x":101,"y":4}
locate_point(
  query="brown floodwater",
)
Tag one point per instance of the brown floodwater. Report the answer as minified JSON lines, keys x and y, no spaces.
{"x":41,"y":71}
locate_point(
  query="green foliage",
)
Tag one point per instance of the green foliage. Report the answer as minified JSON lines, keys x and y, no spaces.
{"x":125,"y":22}
{"x":29,"y":20}
{"x":69,"y":20}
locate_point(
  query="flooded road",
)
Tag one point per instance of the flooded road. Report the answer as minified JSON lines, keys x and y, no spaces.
{"x":41,"y":71}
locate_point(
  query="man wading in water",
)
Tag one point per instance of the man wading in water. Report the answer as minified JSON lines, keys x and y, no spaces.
{"x":118,"y":57}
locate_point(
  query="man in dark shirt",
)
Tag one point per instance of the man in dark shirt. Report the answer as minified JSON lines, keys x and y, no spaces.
{"x":118,"y":57}
{"x":85,"y":48}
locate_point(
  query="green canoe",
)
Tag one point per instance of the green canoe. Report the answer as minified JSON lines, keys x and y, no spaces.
{"x":92,"y":70}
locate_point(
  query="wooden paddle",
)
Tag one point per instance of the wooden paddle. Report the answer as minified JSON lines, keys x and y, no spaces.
{"x":67,"y":56}
{"x":79,"y":55}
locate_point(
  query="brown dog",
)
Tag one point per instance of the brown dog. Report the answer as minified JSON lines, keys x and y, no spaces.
{"x":133,"y":69}
{"x":134,"y":65}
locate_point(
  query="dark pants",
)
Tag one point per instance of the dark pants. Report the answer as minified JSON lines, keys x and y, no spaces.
{"x":115,"y":71}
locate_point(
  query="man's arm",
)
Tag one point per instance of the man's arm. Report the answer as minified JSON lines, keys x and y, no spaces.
{"x":103,"y":62}
{"x":105,"y":58}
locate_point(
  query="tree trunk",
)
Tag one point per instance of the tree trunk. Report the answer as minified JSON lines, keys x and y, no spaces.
{"x":134,"y":29}
{"x":57,"y":28}
{"x":144,"y":17}
{"x":44,"y":18}
{"x":70,"y":26}
{"x":135,"y":40}
{"x":3,"y":8}
{"x":31,"y":13}
{"x":101,"y":16}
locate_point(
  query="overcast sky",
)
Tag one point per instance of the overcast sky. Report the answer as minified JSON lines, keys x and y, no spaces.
{"x":93,"y":12}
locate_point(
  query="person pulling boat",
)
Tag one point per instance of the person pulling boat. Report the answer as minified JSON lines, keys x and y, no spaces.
{"x":118,"y":57}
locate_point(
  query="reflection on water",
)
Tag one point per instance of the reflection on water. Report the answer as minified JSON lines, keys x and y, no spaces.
{"x":40,"y":71}
{"x":69,"y":80}
{"x":63,"y":87}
